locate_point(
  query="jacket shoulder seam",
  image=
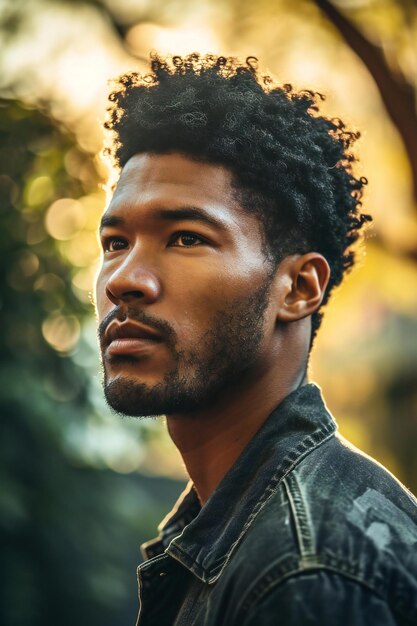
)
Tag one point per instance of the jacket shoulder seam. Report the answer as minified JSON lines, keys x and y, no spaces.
{"x":268,"y":581}
{"x":301,"y":515}
{"x":291,"y":567}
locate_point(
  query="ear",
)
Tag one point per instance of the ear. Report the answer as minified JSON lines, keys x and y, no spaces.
{"x":302,"y":282}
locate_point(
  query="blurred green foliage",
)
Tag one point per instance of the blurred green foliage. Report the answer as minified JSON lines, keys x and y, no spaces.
{"x":70,"y":533}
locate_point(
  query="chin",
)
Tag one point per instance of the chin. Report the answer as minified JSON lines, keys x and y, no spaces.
{"x":127,"y":396}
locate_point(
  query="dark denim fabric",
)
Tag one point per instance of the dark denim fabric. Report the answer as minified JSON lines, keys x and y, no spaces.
{"x":304,"y":529}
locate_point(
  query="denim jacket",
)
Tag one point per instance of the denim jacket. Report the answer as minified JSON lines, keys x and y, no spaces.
{"x":303,"y":529}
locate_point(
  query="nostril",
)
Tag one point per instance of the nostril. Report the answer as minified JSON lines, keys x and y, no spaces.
{"x":133,"y":294}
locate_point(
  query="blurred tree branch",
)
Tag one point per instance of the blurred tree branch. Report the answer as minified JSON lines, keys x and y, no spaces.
{"x":397,"y":94}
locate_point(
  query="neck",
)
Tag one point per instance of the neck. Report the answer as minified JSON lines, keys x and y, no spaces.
{"x":211,"y":439}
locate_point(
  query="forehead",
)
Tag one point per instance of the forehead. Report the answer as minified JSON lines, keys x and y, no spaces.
{"x":175,"y":178}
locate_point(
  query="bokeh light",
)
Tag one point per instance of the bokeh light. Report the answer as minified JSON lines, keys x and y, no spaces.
{"x":61,"y":331}
{"x":65,"y":218}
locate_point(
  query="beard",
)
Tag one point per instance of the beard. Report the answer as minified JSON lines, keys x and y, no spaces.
{"x":225,"y":352}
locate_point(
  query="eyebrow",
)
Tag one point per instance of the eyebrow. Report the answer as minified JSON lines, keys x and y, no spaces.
{"x":174,"y":215}
{"x":110,"y":220}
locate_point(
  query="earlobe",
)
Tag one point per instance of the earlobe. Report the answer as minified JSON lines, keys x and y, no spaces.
{"x":302,"y":284}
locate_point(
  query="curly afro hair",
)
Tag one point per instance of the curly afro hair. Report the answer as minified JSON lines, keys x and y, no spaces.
{"x":290,"y":165}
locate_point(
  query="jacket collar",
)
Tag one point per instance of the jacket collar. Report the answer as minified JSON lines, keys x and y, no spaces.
{"x":203,"y":539}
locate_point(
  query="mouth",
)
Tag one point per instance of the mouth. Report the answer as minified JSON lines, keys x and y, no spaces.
{"x":130,"y":338}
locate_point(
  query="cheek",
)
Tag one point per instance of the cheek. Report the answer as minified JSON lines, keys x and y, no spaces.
{"x":197,"y":300}
{"x":101,"y":300}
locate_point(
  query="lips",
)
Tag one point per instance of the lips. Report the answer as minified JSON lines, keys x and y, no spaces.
{"x":130,"y":330}
{"x":129,"y":338}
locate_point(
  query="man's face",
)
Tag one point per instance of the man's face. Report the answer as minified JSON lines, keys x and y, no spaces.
{"x":183,"y":294}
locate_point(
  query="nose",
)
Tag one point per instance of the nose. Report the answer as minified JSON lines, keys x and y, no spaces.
{"x":133,"y":280}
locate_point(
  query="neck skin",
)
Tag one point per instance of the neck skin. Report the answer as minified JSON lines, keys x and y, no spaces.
{"x":212,"y":439}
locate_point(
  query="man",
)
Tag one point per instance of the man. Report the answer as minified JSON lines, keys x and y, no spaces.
{"x":232,"y":220}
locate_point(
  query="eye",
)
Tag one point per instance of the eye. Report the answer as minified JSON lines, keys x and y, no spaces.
{"x":113,"y":244}
{"x":186,"y":240}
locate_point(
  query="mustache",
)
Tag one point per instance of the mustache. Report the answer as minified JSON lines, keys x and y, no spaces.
{"x":137,"y":315}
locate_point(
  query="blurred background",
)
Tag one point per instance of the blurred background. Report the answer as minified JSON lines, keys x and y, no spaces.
{"x":81,"y":488}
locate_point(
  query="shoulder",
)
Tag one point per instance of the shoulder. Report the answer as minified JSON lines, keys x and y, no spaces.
{"x":318,"y":597}
{"x":339,"y":488}
{"x":337,"y":513}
